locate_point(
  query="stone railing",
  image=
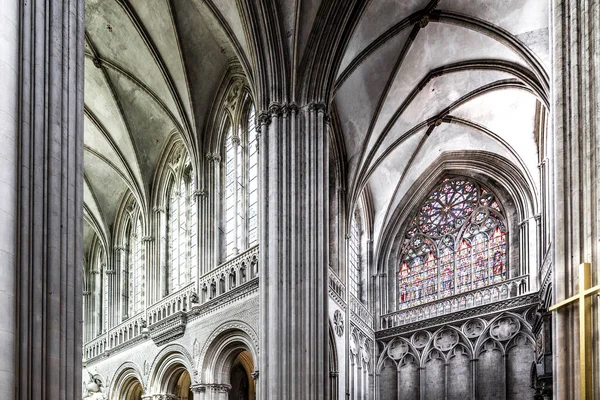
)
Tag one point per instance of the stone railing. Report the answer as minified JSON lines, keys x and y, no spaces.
{"x":336,"y":286}
{"x":474,"y":298}
{"x":229,"y":275}
{"x":180,"y":300}
{"x":362,"y":312}
{"x":95,"y":347}
{"x":126,"y":331}
{"x":167,"y":318}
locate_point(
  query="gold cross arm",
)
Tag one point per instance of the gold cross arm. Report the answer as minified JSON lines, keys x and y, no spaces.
{"x":585,"y":328}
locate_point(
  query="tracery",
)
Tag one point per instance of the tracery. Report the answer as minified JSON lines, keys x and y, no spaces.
{"x":455,"y":243}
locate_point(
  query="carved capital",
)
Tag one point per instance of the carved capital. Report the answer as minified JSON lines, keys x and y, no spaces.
{"x":264,"y":118}
{"x":255,"y":375}
{"x":147,"y":239}
{"x":318,"y":107}
{"x":276,"y":109}
{"x":111,"y":272}
{"x":213,"y":157}
{"x":87,"y":293}
{"x":120,"y":248}
{"x":158,"y":210}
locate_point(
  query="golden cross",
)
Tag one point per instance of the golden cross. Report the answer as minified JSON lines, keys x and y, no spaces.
{"x":585,"y":328}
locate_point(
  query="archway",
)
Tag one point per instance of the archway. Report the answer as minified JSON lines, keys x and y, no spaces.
{"x":182,"y":389}
{"x":229,"y":361}
{"x":240,"y":377}
{"x":133,"y":391}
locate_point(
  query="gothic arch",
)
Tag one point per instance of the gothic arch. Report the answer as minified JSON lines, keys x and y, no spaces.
{"x":167,"y":366}
{"x":124,"y":377}
{"x":513,"y":187}
{"x":164,"y":173}
{"x":506,"y":339}
{"x":224,"y":344}
{"x":446,"y":348}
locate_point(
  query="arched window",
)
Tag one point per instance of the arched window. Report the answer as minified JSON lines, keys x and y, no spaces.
{"x":182,"y":246}
{"x":133,"y":268}
{"x":99,"y":291}
{"x":354,"y":258}
{"x":455,"y":243}
{"x":240,"y":184}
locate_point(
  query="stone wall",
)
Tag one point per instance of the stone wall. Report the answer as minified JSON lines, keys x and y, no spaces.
{"x":146,"y":358}
{"x":486,"y":357}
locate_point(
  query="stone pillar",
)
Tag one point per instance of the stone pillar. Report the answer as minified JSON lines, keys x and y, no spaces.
{"x":575,"y":106}
{"x":294,"y":217}
{"x":41,"y":213}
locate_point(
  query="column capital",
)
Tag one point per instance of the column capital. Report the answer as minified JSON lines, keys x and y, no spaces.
{"x":255,"y":375}
{"x":148,"y":238}
{"x":214,"y":387}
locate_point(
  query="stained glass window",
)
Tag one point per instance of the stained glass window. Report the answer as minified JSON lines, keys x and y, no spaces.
{"x":455,"y":243}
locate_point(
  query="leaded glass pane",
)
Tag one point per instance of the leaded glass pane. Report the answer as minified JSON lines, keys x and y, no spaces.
{"x":455,"y":243}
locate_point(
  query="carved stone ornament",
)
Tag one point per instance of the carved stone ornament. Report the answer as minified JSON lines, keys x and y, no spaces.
{"x":473,"y":328}
{"x":353,"y":344}
{"x":338,"y":323}
{"x":445,"y":340}
{"x":397,"y":349}
{"x":366,"y":351}
{"x":505,"y":328}
{"x":420,"y":339}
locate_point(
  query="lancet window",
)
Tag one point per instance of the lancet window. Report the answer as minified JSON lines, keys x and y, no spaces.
{"x":182,"y":225}
{"x":133,"y":265}
{"x":455,"y":243}
{"x":240,"y":183}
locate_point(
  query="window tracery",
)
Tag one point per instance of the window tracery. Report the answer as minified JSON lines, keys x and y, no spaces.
{"x":133,"y":268}
{"x":455,"y":243}
{"x":240,"y":183}
{"x":181,"y":220}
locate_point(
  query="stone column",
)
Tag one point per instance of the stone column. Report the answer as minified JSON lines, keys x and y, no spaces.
{"x":294,"y":217}
{"x":576,"y":170}
{"x":41,"y":213}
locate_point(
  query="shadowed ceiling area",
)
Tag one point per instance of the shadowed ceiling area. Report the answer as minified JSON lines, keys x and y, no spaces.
{"x":420,"y":78}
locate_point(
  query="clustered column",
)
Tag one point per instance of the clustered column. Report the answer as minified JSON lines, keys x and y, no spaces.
{"x":294,"y":217}
{"x":575,"y":37}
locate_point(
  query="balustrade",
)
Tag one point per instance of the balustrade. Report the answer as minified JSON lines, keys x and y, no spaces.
{"x":175,"y":302}
{"x":474,"y":298}
{"x":361,"y":311}
{"x":229,"y":275}
{"x":336,"y":285}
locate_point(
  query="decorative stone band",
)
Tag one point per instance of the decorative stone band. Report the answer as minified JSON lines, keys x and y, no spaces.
{"x":162,"y":396}
{"x":211,"y":387}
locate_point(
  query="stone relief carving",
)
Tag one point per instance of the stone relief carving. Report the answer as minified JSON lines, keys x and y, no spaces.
{"x":397,"y":349}
{"x":445,"y":340}
{"x":420,"y":339}
{"x":504,"y":328}
{"x":338,"y":323}
{"x":473,"y":328}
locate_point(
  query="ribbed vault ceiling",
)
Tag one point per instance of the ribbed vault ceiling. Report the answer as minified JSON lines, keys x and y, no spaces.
{"x":152,"y":69}
{"x":478,"y":66}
